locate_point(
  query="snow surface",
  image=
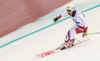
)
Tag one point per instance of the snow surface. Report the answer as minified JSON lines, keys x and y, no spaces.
{"x":50,"y":38}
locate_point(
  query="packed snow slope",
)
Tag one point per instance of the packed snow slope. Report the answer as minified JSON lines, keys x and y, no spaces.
{"x":25,"y":48}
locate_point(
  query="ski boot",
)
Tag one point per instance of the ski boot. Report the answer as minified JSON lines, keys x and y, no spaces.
{"x":65,"y":45}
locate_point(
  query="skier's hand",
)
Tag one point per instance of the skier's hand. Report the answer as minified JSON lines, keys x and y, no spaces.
{"x":84,"y":34}
{"x":55,"y":19}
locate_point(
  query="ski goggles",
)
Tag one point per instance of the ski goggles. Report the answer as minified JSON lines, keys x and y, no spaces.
{"x":69,"y":11}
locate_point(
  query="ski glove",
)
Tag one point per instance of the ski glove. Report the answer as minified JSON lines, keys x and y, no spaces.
{"x":55,"y":19}
{"x":84,"y":34}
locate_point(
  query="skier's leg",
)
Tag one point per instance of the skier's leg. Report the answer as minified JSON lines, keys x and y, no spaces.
{"x":71,"y":33}
{"x":69,"y":39}
{"x":81,"y":29}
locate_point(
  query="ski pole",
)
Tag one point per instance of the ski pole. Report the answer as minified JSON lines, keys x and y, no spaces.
{"x":93,"y":33}
{"x":89,"y":34}
{"x":77,"y":40}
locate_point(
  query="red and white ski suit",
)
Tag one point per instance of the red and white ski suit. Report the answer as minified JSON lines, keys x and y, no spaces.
{"x":80,"y":25}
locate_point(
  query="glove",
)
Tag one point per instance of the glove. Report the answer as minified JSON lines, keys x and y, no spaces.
{"x":84,"y":34}
{"x":55,"y":19}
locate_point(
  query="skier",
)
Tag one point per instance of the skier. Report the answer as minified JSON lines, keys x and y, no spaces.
{"x":80,"y":25}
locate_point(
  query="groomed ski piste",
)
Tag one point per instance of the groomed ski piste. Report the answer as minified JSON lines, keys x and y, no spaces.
{"x":42,"y":36}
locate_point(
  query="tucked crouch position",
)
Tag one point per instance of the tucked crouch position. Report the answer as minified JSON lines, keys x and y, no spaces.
{"x":80,"y":25}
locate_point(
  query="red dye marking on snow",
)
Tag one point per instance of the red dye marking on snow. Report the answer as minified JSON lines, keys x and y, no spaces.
{"x":54,"y":51}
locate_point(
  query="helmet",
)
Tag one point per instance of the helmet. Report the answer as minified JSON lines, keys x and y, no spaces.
{"x":70,"y":8}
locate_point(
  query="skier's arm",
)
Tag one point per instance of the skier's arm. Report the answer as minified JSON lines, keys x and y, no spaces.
{"x":60,"y":16}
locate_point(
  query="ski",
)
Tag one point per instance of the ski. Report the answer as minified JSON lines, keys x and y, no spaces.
{"x":55,"y":50}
